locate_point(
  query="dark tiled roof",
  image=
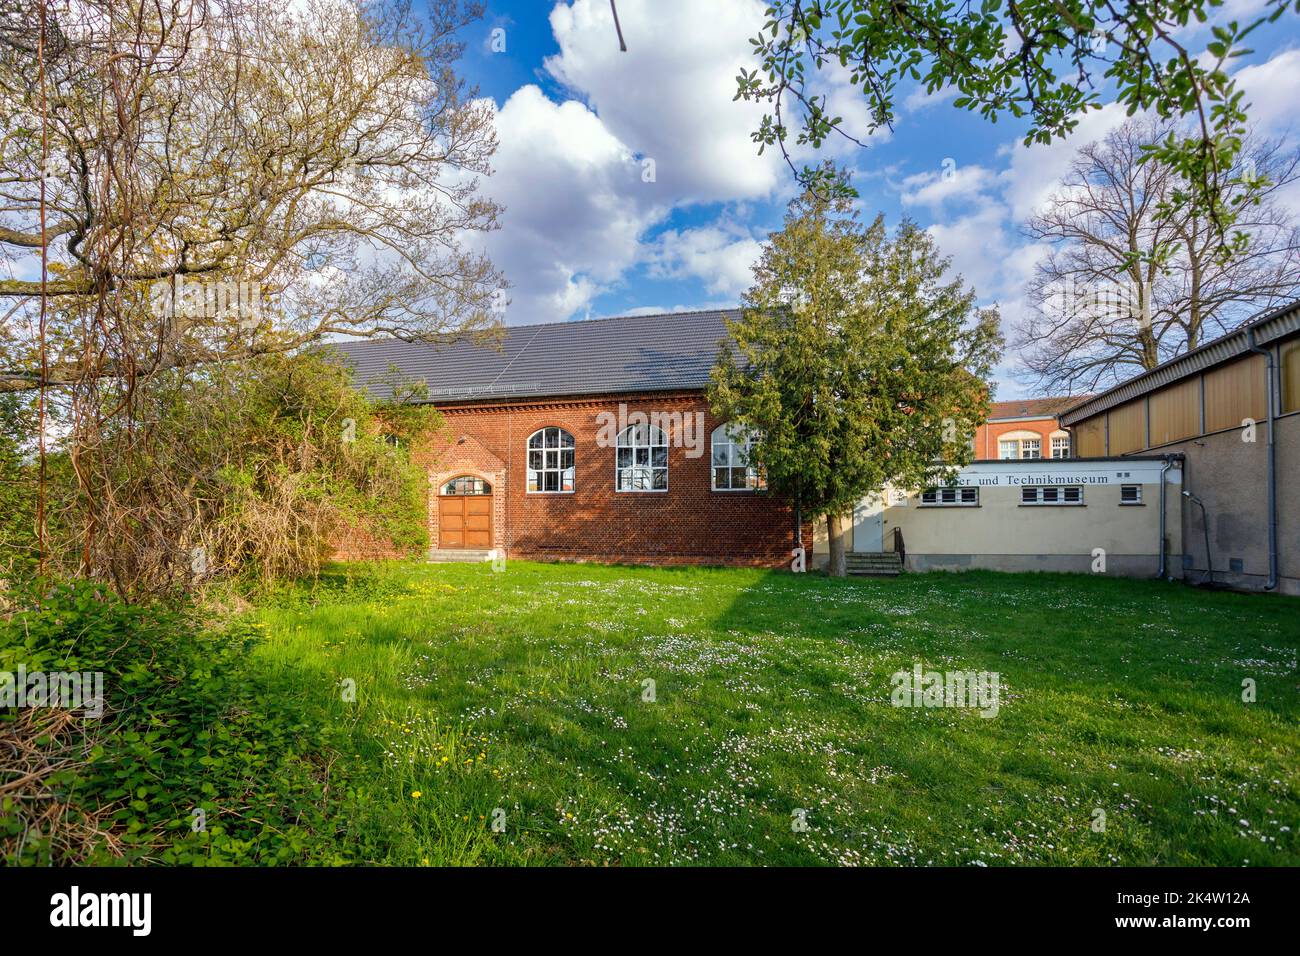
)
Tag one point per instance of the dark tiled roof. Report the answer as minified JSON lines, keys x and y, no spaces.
{"x":1033,"y":407}
{"x":640,"y":353}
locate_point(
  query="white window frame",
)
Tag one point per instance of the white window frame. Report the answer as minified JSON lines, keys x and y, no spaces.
{"x":635,"y":439}
{"x":737,"y":444}
{"x":535,"y":477}
{"x":1137,"y":490}
{"x":1020,"y":444}
{"x":1064,"y":441}
{"x":964,"y":496}
{"x":1051,"y":496}
{"x":481,"y":487}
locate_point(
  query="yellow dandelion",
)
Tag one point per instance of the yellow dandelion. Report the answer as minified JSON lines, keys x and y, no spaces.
{"x":415,"y":794}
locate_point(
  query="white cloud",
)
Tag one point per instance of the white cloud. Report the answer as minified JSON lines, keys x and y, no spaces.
{"x":571,"y":174}
{"x":575,"y":206}
{"x":1036,"y":171}
{"x":722,"y":260}
{"x":670,"y":96}
{"x":919,"y":99}
{"x":936,"y":187}
{"x":978,"y":244}
{"x":1270,"y":89}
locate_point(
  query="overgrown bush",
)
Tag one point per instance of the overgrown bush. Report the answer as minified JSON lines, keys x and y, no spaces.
{"x":17,"y":490}
{"x":297,"y":455}
{"x":241,"y":470}
{"x":190,"y":724}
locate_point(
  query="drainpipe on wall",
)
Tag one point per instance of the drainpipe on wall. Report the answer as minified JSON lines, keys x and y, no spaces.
{"x":798,"y":520}
{"x":1270,"y":411}
{"x":1164,"y":470}
{"x":1205,"y":526}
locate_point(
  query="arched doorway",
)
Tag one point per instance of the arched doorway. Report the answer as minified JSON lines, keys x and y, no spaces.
{"x":465,"y":513}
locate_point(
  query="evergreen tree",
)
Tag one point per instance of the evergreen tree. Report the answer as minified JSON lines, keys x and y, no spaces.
{"x":859,"y":365}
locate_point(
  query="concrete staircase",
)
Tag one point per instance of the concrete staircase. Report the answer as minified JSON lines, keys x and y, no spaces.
{"x":453,"y":555}
{"x":880,"y":564}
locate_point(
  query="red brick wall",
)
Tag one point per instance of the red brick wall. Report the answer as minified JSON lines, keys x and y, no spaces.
{"x":987,"y":435}
{"x":688,"y":524}
{"x":359,"y":543}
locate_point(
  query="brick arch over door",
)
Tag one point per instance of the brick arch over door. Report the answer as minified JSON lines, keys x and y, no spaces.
{"x":467,"y":457}
{"x":465,"y":513}
{"x":495,"y":509}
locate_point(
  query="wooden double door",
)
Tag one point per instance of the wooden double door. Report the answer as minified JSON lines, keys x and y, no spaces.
{"x":465,"y":514}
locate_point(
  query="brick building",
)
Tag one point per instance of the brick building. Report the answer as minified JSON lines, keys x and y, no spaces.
{"x":584,"y":441}
{"x":1024,"y":428}
{"x":594,"y":441}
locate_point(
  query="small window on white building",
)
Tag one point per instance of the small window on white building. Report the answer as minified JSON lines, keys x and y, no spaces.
{"x":951,"y":497}
{"x":1130,"y":494}
{"x":1052,"y":495}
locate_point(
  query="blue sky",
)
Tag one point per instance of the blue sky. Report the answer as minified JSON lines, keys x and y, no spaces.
{"x":585,"y":234}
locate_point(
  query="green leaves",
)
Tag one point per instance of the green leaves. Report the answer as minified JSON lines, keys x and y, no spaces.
{"x":859,"y":363}
{"x":1048,"y":60}
{"x":191,"y":722}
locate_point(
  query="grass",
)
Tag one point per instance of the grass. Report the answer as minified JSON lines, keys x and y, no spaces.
{"x":519,"y":697}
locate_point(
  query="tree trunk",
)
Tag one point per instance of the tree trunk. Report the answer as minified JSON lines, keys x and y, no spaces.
{"x":835,"y":529}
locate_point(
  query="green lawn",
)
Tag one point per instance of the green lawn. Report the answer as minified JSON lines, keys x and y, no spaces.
{"x":522,"y":691}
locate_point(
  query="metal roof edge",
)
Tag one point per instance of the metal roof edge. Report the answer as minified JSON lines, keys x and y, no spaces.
{"x":1270,"y":327}
{"x":1052,"y":461}
{"x":528,"y":398}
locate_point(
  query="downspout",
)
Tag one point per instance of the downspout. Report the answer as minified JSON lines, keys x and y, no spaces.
{"x":798,"y":521}
{"x":1205,"y":526}
{"x":1270,"y":411}
{"x":1164,"y":469}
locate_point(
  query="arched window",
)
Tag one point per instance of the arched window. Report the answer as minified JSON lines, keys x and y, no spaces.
{"x":1060,"y":444}
{"x":641,"y":462}
{"x":550,"y":460}
{"x":466,"y":485}
{"x":733,"y":469}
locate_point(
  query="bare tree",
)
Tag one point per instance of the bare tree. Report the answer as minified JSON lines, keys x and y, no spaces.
{"x":194,"y":183}
{"x":1126,"y":285}
{"x":327,"y":157}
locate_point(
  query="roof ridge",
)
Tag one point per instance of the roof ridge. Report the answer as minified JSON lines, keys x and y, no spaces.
{"x":1046,"y":399}
{"x":538,"y":325}
{"x":619,"y":318}
{"x":1036,"y":398}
